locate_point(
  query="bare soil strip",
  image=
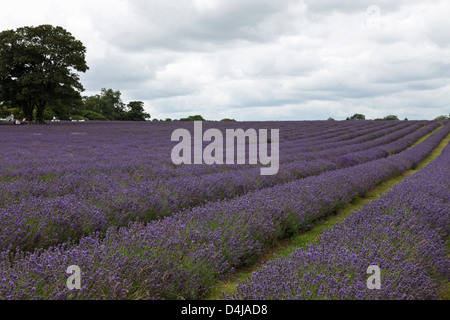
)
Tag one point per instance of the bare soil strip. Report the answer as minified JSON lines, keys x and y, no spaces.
{"x":284,"y":248}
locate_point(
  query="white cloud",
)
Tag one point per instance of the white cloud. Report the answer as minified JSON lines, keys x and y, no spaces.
{"x":259,"y":60}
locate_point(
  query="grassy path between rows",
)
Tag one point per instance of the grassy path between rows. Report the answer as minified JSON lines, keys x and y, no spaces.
{"x":286,"y":247}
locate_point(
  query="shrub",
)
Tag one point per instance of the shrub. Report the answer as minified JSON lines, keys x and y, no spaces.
{"x":92,"y":115}
{"x":193,"y":118}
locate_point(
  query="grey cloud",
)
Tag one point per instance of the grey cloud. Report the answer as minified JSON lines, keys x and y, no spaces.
{"x":352,"y":6}
{"x":261,"y":59}
{"x":179,"y":26}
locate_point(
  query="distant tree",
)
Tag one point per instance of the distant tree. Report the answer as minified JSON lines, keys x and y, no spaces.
{"x":406,"y":119}
{"x":108,"y":104}
{"x":391,"y":117}
{"x":92,"y":103}
{"x":114,"y":107}
{"x":358,"y":116}
{"x":136,"y":112}
{"x":39,"y":67}
{"x":193,"y":118}
{"x":6,"y":111}
{"x":168,"y":120}
{"x":77,"y":117}
{"x":443,"y":117}
{"x":227,"y":119}
{"x":63,"y":110}
{"x":330,"y":119}
{"x":92,"y":115}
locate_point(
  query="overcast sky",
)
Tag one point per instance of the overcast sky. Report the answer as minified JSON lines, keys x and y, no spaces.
{"x":259,"y":59}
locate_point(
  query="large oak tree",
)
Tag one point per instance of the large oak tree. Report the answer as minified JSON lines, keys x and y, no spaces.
{"x":40,"y":65}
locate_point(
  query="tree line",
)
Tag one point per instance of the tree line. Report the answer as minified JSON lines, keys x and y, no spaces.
{"x":359,"y":116}
{"x":108,"y":105}
{"x":39,"y":79}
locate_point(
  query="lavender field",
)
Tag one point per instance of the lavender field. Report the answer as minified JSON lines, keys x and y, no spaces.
{"x":107,"y":197}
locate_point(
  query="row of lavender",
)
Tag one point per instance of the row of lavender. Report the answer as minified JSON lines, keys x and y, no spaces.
{"x":79,"y":218}
{"x":62,"y":164}
{"x":80,"y":142}
{"x":183,"y":255}
{"x":49,"y":163}
{"x":304,"y":149}
{"x":197,"y":190}
{"x":32,"y":165}
{"x":31,"y":153}
{"x":62,"y":185}
{"x":44,"y":213}
{"x":403,"y":233}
